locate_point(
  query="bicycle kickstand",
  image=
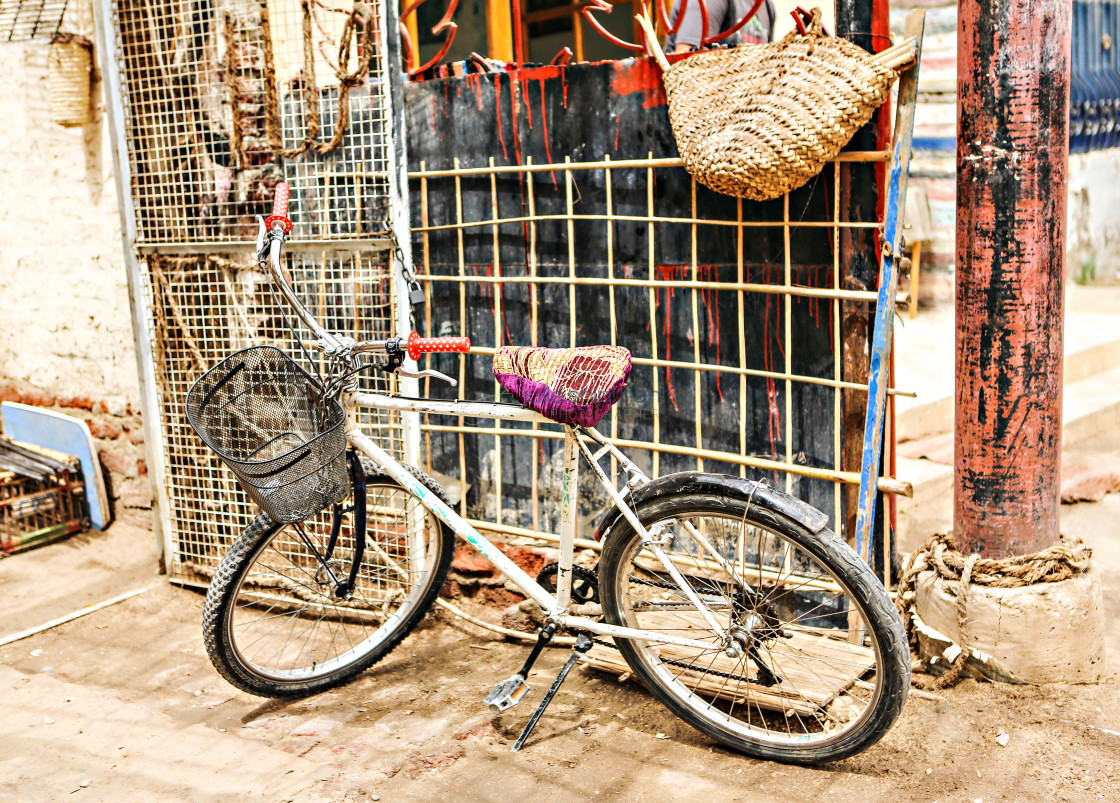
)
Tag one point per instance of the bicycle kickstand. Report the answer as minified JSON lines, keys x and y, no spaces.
{"x":583,"y":644}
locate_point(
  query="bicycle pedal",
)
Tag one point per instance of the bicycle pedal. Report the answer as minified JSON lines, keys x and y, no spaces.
{"x":506,"y":694}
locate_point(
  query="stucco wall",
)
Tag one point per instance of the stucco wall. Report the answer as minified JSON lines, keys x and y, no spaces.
{"x":65,"y":322}
{"x":65,"y":325}
{"x":1093,"y":232}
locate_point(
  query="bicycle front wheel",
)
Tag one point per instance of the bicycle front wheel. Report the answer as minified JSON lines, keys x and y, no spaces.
{"x":803,"y":658}
{"x":274,"y":623}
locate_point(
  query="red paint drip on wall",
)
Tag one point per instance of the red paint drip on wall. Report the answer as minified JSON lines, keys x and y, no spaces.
{"x":528,"y":104}
{"x":513,"y":94}
{"x":498,"y":111}
{"x":640,"y":75}
{"x":474,"y":81}
{"x":774,"y":417}
{"x":544,"y":130}
{"x":710,"y":298}
{"x":669,"y":273}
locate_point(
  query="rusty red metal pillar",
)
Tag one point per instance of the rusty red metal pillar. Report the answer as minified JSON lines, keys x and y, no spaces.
{"x":1013,"y":61}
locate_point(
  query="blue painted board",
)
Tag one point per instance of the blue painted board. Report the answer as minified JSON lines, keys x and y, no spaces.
{"x":65,"y":434}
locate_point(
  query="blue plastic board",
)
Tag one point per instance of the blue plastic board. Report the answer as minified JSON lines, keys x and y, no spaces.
{"x":65,"y":434}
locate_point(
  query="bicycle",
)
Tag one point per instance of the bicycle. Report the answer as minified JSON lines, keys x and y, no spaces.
{"x":730,"y":601}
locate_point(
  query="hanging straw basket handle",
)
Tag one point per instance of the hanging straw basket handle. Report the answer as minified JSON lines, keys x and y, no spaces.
{"x":896,"y":57}
{"x":652,"y":46}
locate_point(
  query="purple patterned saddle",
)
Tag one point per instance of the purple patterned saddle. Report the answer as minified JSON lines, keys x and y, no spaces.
{"x":570,"y":386}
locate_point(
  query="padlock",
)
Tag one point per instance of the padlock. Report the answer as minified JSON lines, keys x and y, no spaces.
{"x":415,"y":293}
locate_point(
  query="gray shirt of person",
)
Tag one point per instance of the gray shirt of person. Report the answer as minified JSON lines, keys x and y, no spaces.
{"x":722,"y":14}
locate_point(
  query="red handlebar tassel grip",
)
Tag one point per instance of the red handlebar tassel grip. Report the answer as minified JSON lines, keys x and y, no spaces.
{"x":279,"y":209}
{"x":420,"y":345}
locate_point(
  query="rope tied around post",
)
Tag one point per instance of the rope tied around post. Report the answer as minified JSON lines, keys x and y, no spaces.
{"x":362,"y":13}
{"x":1062,"y":561}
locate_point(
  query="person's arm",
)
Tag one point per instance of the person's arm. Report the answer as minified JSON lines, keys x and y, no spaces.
{"x":691,"y":30}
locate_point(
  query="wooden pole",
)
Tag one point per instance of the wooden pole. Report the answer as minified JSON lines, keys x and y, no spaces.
{"x":1013,"y":73}
{"x":499,"y":30}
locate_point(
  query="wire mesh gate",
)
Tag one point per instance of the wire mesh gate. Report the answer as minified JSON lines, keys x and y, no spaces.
{"x":210,"y":106}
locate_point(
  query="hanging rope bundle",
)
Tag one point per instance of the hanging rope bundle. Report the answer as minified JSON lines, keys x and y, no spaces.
{"x":362,"y":12}
{"x":1062,"y":561}
{"x":236,"y":137}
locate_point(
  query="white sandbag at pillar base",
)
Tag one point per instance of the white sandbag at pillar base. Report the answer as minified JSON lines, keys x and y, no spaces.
{"x":1041,"y":633}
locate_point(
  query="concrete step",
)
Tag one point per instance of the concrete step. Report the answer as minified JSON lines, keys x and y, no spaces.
{"x":68,"y":738}
{"x":925,"y":356}
{"x":1089,"y":406}
{"x":917,"y":419}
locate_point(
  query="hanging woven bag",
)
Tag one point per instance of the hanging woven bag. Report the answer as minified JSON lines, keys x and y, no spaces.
{"x":69,"y":66}
{"x":756,"y":121}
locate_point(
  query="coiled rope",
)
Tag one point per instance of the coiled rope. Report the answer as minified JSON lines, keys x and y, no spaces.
{"x":1062,"y":561}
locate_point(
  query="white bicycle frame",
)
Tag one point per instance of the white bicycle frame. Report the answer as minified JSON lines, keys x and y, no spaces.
{"x":555,"y":607}
{"x":575,"y":442}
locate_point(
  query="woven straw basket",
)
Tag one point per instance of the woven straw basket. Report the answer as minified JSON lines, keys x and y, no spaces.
{"x":756,"y":121}
{"x":69,"y":62}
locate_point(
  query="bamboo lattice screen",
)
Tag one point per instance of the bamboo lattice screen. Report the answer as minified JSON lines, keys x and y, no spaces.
{"x":718,"y":383}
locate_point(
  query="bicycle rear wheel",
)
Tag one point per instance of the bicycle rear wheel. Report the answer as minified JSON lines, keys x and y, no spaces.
{"x":274,"y":624}
{"x":818,"y":666}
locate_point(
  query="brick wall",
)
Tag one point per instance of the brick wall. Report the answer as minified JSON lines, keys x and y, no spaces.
{"x":65,"y":322}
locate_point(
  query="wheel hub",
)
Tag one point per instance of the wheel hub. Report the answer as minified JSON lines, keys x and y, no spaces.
{"x":323,"y":575}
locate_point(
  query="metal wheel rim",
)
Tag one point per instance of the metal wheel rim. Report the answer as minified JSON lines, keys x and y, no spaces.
{"x":734,"y":725}
{"x":363,"y":647}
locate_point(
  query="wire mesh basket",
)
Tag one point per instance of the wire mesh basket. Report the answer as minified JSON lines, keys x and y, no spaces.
{"x":264,"y":416}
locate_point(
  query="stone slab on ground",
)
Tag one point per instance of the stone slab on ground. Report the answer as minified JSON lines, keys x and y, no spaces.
{"x":73,"y":739}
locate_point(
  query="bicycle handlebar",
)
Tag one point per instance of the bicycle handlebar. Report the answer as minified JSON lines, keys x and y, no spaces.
{"x":280,"y":199}
{"x":277,"y":225}
{"x":422,"y":345}
{"x":279,"y":216}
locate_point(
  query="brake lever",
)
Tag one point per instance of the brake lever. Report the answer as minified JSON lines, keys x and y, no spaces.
{"x":262,"y":242}
{"x":427,"y":373}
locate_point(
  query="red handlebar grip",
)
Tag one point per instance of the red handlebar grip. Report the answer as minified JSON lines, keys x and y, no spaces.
{"x":420,"y":345}
{"x":279,"y":209}
{"x":280,"y":200}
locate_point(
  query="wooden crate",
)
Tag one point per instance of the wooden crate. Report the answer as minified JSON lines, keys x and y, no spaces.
{"x":34,"y":511}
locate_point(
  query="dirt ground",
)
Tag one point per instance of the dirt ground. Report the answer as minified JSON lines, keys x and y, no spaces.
{"x":123,"y":705}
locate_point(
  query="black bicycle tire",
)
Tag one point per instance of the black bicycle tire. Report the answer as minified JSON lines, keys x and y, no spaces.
{"x":859,"y":582}
{"x":239,"y":560}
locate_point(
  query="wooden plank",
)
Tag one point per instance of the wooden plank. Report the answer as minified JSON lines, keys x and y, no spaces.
{"x":815,"y":667}
{"x":499,"y":30}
